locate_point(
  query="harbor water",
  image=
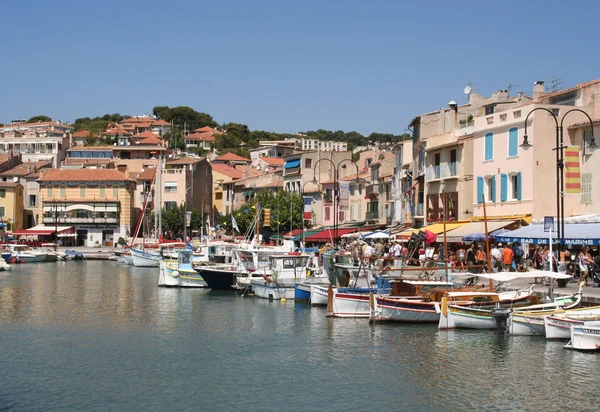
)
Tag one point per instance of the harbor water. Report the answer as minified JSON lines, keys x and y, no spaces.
{"x":97,"y":335}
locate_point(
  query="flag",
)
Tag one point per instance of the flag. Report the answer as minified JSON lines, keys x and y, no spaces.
{"x":572,"y":173}
{"x":234,"y":224}
{"x":267,"y":219}
{"x":308,"y":208}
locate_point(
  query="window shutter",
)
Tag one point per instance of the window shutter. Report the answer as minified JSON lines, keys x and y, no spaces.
{"x":489,"y":146}
{"x":493,"y":184}
{"x":503,"y":187}
{"x":519,"y":186}
{"x":479,"y":189}
{"x":513,"y":142}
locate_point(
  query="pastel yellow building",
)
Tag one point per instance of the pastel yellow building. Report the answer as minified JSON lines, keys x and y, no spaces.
{"x":97,"y":203}
{"x":11,"y":205}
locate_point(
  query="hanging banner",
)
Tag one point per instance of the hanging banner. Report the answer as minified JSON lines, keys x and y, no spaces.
{"x":267,"y":219}
{"x":572,"y":170}
{"x":188,"y":218}
{"x":344,"y":195}
{"x":308,"y":208}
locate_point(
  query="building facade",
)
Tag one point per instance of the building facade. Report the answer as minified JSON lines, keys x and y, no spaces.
{"x":11,"y":205}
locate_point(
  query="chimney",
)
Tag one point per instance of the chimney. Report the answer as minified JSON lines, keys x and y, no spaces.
{"x":538,"y":89}
{"x":454,"y":108}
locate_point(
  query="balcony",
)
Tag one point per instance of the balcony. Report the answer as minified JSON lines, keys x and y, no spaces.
{"x":442,"y":171}
{"x":372,"y":215}
{"x":419,"y":210}
{"x":372,"y":189}
{"x":81,"y":220}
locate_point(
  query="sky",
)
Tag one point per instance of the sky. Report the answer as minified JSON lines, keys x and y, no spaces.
{"x":285,"y":66}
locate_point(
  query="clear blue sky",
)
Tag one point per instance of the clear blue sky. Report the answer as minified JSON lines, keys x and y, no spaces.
{"x":285,"y":65}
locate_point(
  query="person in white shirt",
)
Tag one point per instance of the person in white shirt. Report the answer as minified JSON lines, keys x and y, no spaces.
{"x":496,"y":257}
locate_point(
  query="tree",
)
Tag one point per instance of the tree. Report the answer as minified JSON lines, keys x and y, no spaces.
{"x":184,"y":117}
{"x":39,"y":118}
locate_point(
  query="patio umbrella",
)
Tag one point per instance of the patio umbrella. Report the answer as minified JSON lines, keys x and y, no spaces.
{"x":377,"y":235}
{"x":498,"y":233}
{"x":474,"y":237}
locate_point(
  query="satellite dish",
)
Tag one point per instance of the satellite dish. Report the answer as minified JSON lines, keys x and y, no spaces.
{"x":16,"y":179}
{"x":468,"y":89}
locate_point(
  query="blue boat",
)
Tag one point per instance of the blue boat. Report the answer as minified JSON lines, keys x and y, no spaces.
{"x":75,"y":254}
{"x":6,"y":256}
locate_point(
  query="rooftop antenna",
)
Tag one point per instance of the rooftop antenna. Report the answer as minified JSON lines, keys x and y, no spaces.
{"x":511,"y":86}
{"x":556,"y":82}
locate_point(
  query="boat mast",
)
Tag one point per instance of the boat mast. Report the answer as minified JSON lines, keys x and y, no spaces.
{"x":487,"y":243}
{"x":140,"y":219}
{"x":445,"y":202}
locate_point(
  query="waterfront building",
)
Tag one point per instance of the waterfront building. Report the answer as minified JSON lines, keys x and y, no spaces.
{"x":97,"y":203}
{"x":223,"y":176}
{"x":442,"y":144}
{"x":187,"y":180}
{"x":522,"y":181}
{"x":26,"y":174}
{"x":245,"y":188}
{"x":379,"y":189}
{"x":401,"y":183}
{"x":11,"y":205}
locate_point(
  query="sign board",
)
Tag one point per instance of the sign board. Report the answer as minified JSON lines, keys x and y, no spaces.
{"x":549,"y":224}
{"x":188,"y":218}
{"x":344,"y":194}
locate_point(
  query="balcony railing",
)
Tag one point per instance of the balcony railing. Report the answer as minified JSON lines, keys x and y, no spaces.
{"x":373,"y":214}
{"x":372,"y":189}
{"x":419,"y":209}
{"x":442,"y":171}
{"x":82,"y":220}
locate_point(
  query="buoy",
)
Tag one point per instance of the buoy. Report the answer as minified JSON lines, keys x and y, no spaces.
{"x":283,"y":300}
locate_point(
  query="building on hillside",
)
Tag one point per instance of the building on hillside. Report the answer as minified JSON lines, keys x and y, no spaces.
{"x":35,"y":145}
{"x":515,"y":180}
{"x":402,"y":183}
{"x":9,"y":160}
{"x":54,"y":128}
{"x":26,"y":174}
{"x":11,"y":205}
{"x":224,"y":177}
{"x":81,"y":137}
{"x":97,"y":203}
{"x":189,"y":180}
{"x":443,"y":156}
{"x":201,"y":138}
{"x":273,"y":151}
{"x":232,"y":159}
{"x":246,"y":188}
{"x":268,"y":164}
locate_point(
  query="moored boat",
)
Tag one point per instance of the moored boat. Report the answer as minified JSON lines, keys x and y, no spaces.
{"x":585,"y":338}
{"x":558,"y":325}
{"x":218,"y":277}
{"x":145,"y":258}
{"x":180,"y":273}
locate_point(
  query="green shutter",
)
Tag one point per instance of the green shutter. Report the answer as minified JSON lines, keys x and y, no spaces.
{"x":503,"y":187}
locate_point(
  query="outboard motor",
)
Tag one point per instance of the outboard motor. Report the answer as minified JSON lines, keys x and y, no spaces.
{"x":501,"y":316}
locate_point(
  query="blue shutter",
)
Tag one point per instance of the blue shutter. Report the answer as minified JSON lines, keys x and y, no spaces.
{"x":479,"y":189}
{"x":513,"y":142}
{"x":493,"y":184}
{"x":503,"y":187}
{"x":489,"y":146}
{"x":519,"y":186}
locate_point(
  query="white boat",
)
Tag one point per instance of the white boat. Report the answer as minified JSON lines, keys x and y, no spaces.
{"x":318,"y":295}
{"x":279,"y":280}
{"x":180,"y":273}
{"x":27,"y":254}
{"x":558,"y":325}
{"x":145,"y":258}
{"x":585,"y":338}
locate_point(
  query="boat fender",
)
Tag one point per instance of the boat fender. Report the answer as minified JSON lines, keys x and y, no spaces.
{"x":199,"y":250}
{"x":175,"y":274}
{"x":437,"y":307}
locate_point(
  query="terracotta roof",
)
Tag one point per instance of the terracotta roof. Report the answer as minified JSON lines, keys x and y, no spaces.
{"x":116,"y":132}
{"x":576,"y":87}
{"x":137,"y":120}
{"x":227,"y":170}
{"x":207,"y":129}
{"x":84,"y":175}
{"x":89,"y":148}
{"x":147,"y":174}
{"x":184,"y":161}
{"x":232,"y":157}
{"x":160,"y":123}
{"x":8,"y":184}
{"x":273,"y":161}
{"x":4,"y":157}
{"x":153,"y":140}
{"x":27,"y":168}
{"x":144,"y":125}
{"x":144,"y":135}
{"x":583,"y":124}
{"x":249,"y":171}
{"x":83,"y":134}
{"x":200,"y":136}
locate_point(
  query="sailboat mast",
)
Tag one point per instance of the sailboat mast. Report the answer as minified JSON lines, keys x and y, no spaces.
{"x":487,"y":242}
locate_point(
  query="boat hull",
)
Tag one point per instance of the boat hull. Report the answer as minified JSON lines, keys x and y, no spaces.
{"x":31,"y":258}
{"x":584,"y":338}
{"x":144,"y":259}
{"x":467,"y":318}
{"x":272,"y":290}
{"x":350,"y":305}
{"x":526,"y":325}
{"x":318,"y":295}
{"x":218,"y":279}
{"x":302,"y":292}
{"x":405,"y":310}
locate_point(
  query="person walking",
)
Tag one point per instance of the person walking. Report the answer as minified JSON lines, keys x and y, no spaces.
{"x":518,"y":253}
{"x":496,"y":258}
{"x":585,"y":260}
{"x":507,"y":258}
{"x":471,"y":256}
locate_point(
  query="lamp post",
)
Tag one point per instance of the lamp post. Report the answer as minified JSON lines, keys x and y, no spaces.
{"x":336,"y":174}
{"x":559,"y":148}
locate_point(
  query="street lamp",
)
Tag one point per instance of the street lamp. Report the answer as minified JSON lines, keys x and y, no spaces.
{"x":336,"y":174}
{"x":559,"y":148}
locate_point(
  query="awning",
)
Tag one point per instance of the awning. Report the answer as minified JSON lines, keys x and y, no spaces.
{"x":457,"y":234}
{"x":307,"y":234}
{"x":576,"y":234}
{"x":42,"y":230}
{"x":292,"y":163}
{"x":247,"y":192}
{"x":328,"y":234}
{"x":435,"y":228}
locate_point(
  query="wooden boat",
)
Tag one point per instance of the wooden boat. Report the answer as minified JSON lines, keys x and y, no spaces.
{"x":585,"y":338}
{"x":278,"y":282}
{"x":180,"y":273}
{"x":145,"y":258}
{"x":558,"y":325}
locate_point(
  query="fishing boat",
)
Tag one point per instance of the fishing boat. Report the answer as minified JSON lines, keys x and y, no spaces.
{"x":180,"y":273}
{"x":303,"y":289}
{"x":75,"y":254}
{"x":278,"y":282}
{"x":585,"y":338}
{"x":6,"y":256}
{"x":145,"y":258}
{"x":558,"y":325}
{"x":221,"y":277}
{"x":27,"y":254}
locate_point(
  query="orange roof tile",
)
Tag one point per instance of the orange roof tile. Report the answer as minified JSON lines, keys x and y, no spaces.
{"x":27,"y":168}
{"x":207,"y":129}
{"x":145,"y":135}
{"x":146,"y":174}
{"x":84,"y":175}
{"x":200,"y":136}
{"x":160,"y":123}
{"x":227,"y":170}
{"x":232,"y":157}
{"x":273,"y":161}
{"x":83,"y":134}
{"x":153,"y":141}
{"x":576,"y":87}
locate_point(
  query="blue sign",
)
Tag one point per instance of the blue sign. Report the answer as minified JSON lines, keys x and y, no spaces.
{"x":549,"y":224}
